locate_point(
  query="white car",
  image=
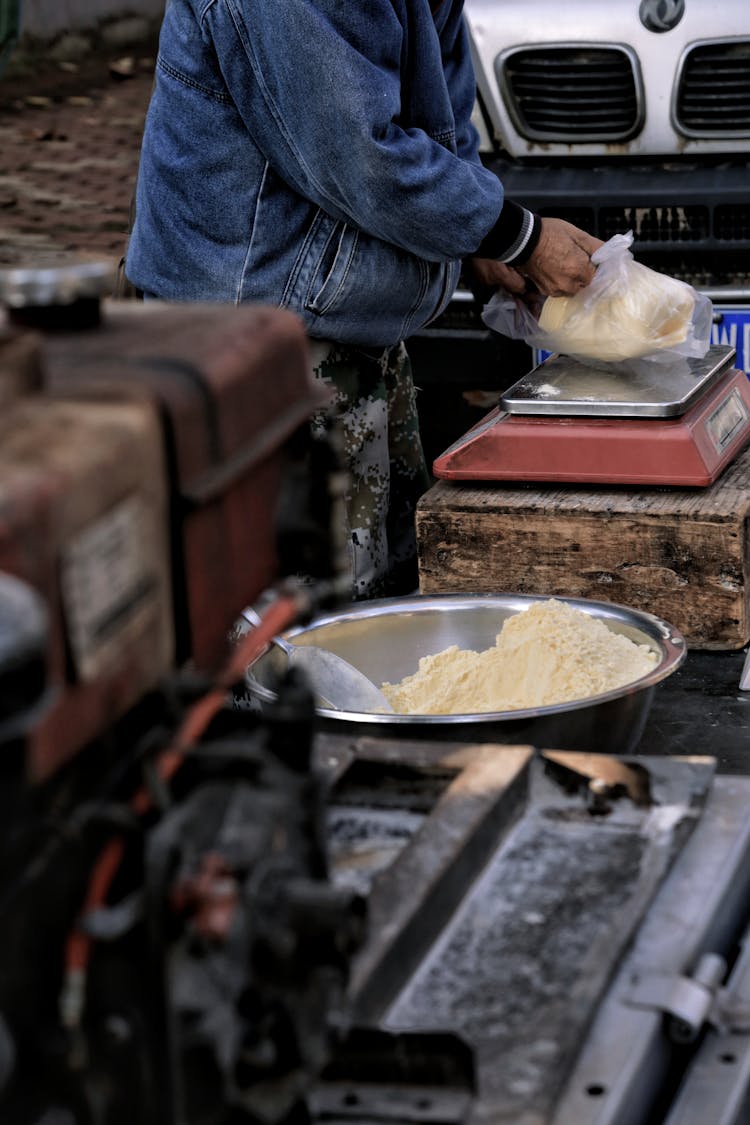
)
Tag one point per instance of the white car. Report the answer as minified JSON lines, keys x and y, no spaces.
{"x":628,"y":115}
{"x":625,"y":115}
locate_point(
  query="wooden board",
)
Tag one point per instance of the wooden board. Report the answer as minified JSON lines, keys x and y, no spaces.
{"x":682,"y":554}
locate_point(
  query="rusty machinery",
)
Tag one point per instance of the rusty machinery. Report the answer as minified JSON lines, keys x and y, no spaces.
{"x":171,"y":948}
{"x":213,"y":915}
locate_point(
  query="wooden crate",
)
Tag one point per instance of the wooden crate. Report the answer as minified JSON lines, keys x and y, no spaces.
{"x":682,"y":554}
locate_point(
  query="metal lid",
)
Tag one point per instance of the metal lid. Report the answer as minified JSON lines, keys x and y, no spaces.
{"x":59,"y":284}
{"x":568,"y":387}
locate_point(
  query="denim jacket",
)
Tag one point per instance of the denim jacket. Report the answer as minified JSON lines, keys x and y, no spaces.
{"x":313,"y":154}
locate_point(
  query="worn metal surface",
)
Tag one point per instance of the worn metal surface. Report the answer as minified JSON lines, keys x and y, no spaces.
{"x":225,"y":424}
{"x":84,"y":501}
{"x":568,"y":387}
{"x":507,"y":895}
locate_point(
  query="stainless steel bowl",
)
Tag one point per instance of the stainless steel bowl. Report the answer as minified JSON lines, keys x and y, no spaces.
{"x":387,"y":638}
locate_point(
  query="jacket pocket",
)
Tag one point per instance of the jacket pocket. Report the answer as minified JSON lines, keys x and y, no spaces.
{"x":354,"y":288}
{"x":336,"y":245}
{"x":451,"y":275}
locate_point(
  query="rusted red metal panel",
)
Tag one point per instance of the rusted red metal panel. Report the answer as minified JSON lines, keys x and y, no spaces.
{"x":232,"y":385}
{"x":138,"y":492}
{"x":84,"y":519}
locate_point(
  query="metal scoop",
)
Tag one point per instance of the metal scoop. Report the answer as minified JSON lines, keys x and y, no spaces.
{"x":336,"y":683}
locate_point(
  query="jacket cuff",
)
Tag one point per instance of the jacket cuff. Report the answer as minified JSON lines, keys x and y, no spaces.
{"x":514,"y":236}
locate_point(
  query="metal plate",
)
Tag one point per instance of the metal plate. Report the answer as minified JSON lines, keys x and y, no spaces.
{"x":568,"y":387}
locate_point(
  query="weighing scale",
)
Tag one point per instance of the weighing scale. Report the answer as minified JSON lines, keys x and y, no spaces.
{"x":572,"y":422}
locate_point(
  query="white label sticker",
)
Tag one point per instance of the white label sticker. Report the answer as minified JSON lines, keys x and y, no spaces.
{"x":109,"y":585}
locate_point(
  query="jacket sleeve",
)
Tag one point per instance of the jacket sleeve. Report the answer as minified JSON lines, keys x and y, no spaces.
{"x":460,"y":81}
{"x":319,"y":87}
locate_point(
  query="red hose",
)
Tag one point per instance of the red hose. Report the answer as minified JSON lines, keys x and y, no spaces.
{"x":279,"y":615}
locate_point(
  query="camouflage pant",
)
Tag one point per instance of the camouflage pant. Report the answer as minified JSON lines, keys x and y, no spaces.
{"x":375,"y":405}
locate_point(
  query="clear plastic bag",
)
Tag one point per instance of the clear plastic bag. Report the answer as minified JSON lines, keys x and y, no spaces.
{"x":629,"y":315}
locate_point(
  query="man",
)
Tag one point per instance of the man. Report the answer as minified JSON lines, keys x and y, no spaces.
{"x":320,"y":155}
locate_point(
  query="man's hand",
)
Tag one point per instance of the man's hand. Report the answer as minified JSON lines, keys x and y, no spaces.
{"x":560,"y":264}
{"x":487,"y":274}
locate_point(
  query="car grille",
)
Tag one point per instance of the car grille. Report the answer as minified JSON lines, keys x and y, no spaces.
{"x":572,"y":93}
{"x":657,"y":224}
{"x":732,"y":222}
{"x":726,"y":222}
{"x":702,"y":245}
{"x":713,"y":91}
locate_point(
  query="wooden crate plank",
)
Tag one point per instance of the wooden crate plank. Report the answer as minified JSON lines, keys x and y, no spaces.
{"x":682,"y":554}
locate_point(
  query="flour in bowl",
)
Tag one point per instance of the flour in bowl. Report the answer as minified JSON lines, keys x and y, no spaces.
{"x":547,"y":654}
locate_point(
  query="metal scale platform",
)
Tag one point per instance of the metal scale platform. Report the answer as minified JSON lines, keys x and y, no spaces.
{"x":570,"y":422}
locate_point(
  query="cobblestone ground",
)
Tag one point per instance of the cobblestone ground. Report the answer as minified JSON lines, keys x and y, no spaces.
{"x":71,"y":119}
